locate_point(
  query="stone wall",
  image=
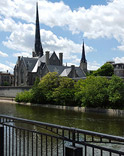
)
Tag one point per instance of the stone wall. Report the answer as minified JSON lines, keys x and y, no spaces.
{"x":11,"y":91}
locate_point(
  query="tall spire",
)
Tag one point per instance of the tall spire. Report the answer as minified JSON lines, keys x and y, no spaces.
{"x":83,"y":58}
{"x":38,"y":45}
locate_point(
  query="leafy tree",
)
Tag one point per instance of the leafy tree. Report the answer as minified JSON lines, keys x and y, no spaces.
{"x":116,"y":92}
{"x":92,"y":92}
{"x":48,"y":84}
{"x":37,"y":93}
{"x":25,"y":96}
{"x":64,"y":93}
{"x":106,"y":70}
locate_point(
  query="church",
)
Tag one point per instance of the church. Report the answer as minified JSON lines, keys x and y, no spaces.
{"x":27,"y":69}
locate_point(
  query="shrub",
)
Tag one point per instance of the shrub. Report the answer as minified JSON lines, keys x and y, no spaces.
{"x":106,"y":70}
{"x":48,"y":84}
{"x":64,"y":93}
{"x":92,"y":92}
{"x":25,"y":96}
{"x":116,"y":92}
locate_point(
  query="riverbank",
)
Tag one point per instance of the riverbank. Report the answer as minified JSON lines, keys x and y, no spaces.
{"x":111,"y":112}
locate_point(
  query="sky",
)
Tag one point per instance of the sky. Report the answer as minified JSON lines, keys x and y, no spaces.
{"x":63,"y":27}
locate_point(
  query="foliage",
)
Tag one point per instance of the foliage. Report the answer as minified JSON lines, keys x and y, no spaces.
{"x":64,"y":93}
{"x":106,"y":70}
{"x":116,"y":92}
{"x":92,"y":92}
{"x":25,"y":96}
{"x":48,"y":84}
{"x":37,"y":93}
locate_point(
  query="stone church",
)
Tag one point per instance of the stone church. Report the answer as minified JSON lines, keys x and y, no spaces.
{"x":27,"y":69}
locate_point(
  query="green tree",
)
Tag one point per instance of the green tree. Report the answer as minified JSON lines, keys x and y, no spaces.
{"x":106,"y":70}
{"x":48,"y":84}
{"x":64,"y":93}
{"x":25,"y":96}
{"x":116,"y":92}
{"x":37,"y":93}
{"x":92,"y":92}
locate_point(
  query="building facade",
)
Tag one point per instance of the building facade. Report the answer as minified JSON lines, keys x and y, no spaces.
{"x":119,"y":69}
{"x":6,"y":79}
{"x":27,"y":69}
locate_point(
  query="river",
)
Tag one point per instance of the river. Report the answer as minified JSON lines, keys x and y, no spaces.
{"x":89,"y":121}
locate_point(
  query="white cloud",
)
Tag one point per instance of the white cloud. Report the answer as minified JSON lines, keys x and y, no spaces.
{"x":22,"y":40}
{"x":3,"y":54}
{"x":119,"y":59}
{"x":4,"y":67}
{"x":121,"y":47}
{"x":25,"y":54}
{"x":97,"y":21}
{"x":10,"y":64}
{"x":93,"y":65}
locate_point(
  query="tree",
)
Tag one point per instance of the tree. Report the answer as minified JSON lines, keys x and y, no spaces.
{"x":64,"y":93}
{"x":37,"y":93}
{"x":106,"y":70}
{"x":48,"y":84}
{"x":116,"y":92}
{"x":92,"y":92}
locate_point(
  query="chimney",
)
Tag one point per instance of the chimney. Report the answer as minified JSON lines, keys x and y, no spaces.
{"x":73,"y":71}
{"x":47,"y":57}
{"x":19,"y":59}
{"x":61,"y":58}
{"x":33,"y":54}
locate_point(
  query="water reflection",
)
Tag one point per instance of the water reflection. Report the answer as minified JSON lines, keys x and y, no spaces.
{"x":89,"y":121}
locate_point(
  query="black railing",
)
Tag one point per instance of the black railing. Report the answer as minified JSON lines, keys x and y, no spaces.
{"x":21,"y":137}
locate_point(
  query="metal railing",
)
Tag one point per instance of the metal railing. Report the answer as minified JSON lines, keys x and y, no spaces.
{"x":22,"y":137}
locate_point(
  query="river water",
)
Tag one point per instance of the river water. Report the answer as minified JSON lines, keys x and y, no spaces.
{"x":89,"y":121}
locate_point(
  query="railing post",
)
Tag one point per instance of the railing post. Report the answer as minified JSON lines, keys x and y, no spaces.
{"x":1,"y":140}
{"x":73,"y":150}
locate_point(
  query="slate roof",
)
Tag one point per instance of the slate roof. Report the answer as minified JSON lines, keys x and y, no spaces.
{"x":80,"y":72}
{"x":39,"y":62}
{"x":65,"y":70}
{"x":32,"y":65}
{"x":29,"y":63}
{"x":54,"y":68}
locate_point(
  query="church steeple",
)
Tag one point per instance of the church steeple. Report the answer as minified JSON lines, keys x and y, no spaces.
{"x":38,"y":46}
{"x":83,"y":58}
{"x":83,"y":62}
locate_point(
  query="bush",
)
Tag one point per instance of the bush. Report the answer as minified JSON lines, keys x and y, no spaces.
{"x":92,"y":92}
{"x":116,"y":92}
{"x":48,"y":84}
{"x":64,"y":93}
{"x":106,"y":70}
{"x":25,"y":96}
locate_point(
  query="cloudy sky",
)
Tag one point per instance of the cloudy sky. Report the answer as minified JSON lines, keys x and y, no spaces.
{"x":64,"y":25}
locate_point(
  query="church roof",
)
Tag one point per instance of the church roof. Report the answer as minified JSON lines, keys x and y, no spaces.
{"x":83,"y":58}
{"x":66,"y":72}
{"x":39,"y":62}
{"x":29,"y":63}
{"x":54,"y":68}
{"x":80,"y":72}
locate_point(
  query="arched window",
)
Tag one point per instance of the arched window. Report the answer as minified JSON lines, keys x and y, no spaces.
{"x":22,"y":76}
